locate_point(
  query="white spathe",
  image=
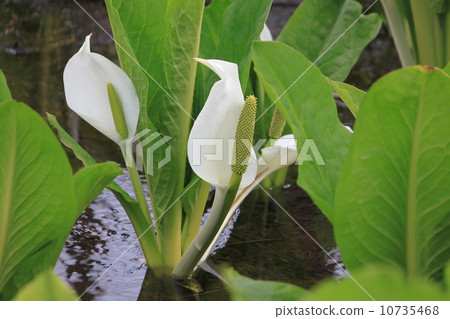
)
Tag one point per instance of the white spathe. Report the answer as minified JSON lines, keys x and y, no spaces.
{"x":85,"y":78}
{"x":282,"y":153}
{"x":266,"y":35}
{"x":211,"y":139}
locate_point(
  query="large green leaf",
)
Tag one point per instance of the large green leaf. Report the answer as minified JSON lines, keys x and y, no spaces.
{"x":37,"y":204}
{"x":377,"y":283}
{"x":161,"y":37}
{"x":46,"y":287}
{"x":331,"y":33}
{"x":242,"y":24}
{"x":5,"y":95}
{"x":245,"y":289}
{"x":90,"y":181}
{"x":305,"y":99}
{"x":212,"y":23}
{"x":393,"y":197}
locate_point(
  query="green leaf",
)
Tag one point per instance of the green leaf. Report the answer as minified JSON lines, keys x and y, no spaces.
{"x":438,"y":6}
{"x":378,"y":282}
{"x":375,"y":282}
{"x":69,"y":142}
{"x":332,"y":34}
{"x":305,"y":99}
{"x":351,"y":95}
{"x":37,"y":205}
{"x":212,"y":23}
{"x":5,"y":95}
{"x":393,"y":197}
{"x":46,"y":287}
{"x":161,"y":37}
{"x":242,"y":24}
{"x":246,"y":289}
{"x":90,"y":181}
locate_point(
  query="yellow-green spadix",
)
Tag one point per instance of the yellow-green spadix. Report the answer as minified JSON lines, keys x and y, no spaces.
{"x":211,"y":140}
{"x":101,"y":93}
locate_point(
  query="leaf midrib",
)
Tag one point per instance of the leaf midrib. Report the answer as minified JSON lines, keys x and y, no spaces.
{"x":411,"y":209}
{"x":8,"y":193}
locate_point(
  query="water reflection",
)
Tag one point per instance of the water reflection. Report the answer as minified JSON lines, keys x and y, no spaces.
{"x":267,"y":244}
{"x":38,"y":39}
{"x":102,"y":251}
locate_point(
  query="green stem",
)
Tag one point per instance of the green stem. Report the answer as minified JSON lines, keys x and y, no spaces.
{"x":137,"y":184}
{"x":223,"y":200}
{"x":147,"y":240}
{"x":398,"y":32}
{"x":170,"y":239}
{"x":279,"y":177}
{"x":447,"y":36}
{"x":259,"y":91}
{"x":423,"y":21}
{"x":439,"y":36}
{"x":142,"y":223}
{"x":193,"y":219}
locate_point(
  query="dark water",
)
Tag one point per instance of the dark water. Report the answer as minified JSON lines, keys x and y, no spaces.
{"x":102,"y":259}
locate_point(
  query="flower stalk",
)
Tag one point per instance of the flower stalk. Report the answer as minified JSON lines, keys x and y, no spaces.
{"x":223,"y":200}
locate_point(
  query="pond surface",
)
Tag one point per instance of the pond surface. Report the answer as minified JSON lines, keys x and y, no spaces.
{"x":102,"y":259}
